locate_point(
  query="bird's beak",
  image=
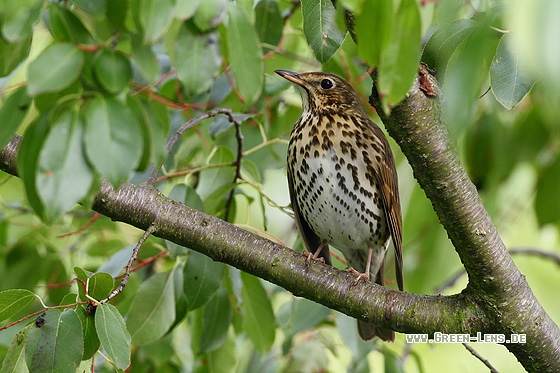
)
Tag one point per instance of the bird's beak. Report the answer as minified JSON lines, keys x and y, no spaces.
{"x":291,"y":76}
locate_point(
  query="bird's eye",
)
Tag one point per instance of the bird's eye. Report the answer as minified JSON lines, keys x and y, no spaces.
{"x":326,"y":84}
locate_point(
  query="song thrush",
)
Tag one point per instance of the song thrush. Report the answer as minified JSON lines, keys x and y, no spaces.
{"x":343,"y":182}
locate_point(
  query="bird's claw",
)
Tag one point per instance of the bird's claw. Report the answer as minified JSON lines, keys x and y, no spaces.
{"x":311,"y":256}
{"x":361,"y":276}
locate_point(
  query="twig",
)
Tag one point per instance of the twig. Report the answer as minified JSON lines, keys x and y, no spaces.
{"x":133,"y":257}
{"x":185,"y":126}
{"x":515,"y":251}
{"x":232,"y":84}
{"x":451,"y":281}
{"x":267,"y":198}
{"x":83,"y":227}
{"x":485,"y":92}
{"x":290,"y":11}
{"x":36,"y":313}
{"x":239,"y":137}
{"x":265,"y":144}
{"x":146,"y":262}
{"x":536,"y":252}
{"x":477,"y":355}
{"x":194,"y":170}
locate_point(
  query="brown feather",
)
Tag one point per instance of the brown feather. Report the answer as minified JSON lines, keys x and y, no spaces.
{"x":391,"y":203}
{"x":310,"y":239}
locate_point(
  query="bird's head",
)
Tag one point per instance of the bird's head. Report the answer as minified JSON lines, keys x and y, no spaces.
{"x":324,"y":92}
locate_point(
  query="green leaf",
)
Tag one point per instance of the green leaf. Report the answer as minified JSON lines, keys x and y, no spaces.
{"x":399,"y":61}
{"x":14,"y":301}
{"x":466,"y":77}
{"x":373,"y":27}
{"x":11,"y":54}
{"x":268,"y":22}
{"x":100,"y":285}
{"x":197,"y":58}
{"x":185,"y":9}
{"x":222,"y":123}
{"x":246,"y":62}
{"x":145,"y":59}
{"x":224,"y":359}
{"x":534,"y":26}
{"x":113,"y":140}
{"x":217,"y":200}
{"x":320,"y":29}
{"x":64,"y":176}
{"x":46,"y":101}
{"x":14,"y":360}
{"x":210,"y":14}
{"x":28,"y":159}
{"x":214,"y":178}
{"x":509,"y":79}
{"x":392,"y":362}
{"x":118,"y":13}
{"x":355,"y":6}
{"x":113,"y":335}
{"x":215,"y":322}
{"x":301,"y":314}
{"x":547,"y":200}
{"x":258,"y":318}
{"x":444,"y":42}
{"x":117,"y":261}
{"x":18,"y":18}
{"x":153,"y":118}
{"x":91,"y":341}
{"x":346,"y":326}
{"x":201,"y":279}
{"x":192,"y":199}
{"x":82,"y":275}
{"x":95,"y":8}
{"x":309,"y":356}
{"x":153,"y":310}
{"x":65,"y":26}
{"x":54,"y":69}
{"x":12,"y":114}
{"x":112,"y":70}
{"x":57,"y":345}
{"x":155,"y":17}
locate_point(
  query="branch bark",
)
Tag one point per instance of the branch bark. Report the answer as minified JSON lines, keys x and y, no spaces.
{"x":143,"y":206}
{"x":495,"y":283}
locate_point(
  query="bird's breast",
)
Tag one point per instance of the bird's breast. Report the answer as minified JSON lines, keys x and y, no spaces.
{"x":334,"y":182}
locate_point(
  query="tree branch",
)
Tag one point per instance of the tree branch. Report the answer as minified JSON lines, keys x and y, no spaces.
{"x":144,"y":207}
{"x":495,"y":283}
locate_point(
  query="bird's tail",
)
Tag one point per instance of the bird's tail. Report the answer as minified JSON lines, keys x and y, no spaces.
{"x":369,"y":331}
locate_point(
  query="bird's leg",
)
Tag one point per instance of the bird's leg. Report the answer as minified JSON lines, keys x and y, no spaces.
{"x":315,"y":256}
{"x":365,"y":275}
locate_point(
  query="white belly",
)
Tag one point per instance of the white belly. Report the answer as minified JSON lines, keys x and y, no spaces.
{"x":339,"y":208}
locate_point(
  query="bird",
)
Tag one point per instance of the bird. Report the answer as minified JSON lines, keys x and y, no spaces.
{"x":343,"y":183}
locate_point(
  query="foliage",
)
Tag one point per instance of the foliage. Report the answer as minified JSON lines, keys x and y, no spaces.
{"x":97,"y":87}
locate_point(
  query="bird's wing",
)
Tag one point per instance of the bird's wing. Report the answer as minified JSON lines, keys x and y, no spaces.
{"x":310,"y":239}
{"x":391,"y":202}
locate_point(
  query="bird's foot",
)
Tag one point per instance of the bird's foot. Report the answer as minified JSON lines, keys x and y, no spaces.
{"x":361,"y":276}
{"x":315,"y":255}
{"x":311,"y":256}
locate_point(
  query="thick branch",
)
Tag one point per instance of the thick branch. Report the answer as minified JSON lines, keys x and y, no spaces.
{"x":142,"y":206}
{"x":145,"y":207}
{"x":494,"y":280}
